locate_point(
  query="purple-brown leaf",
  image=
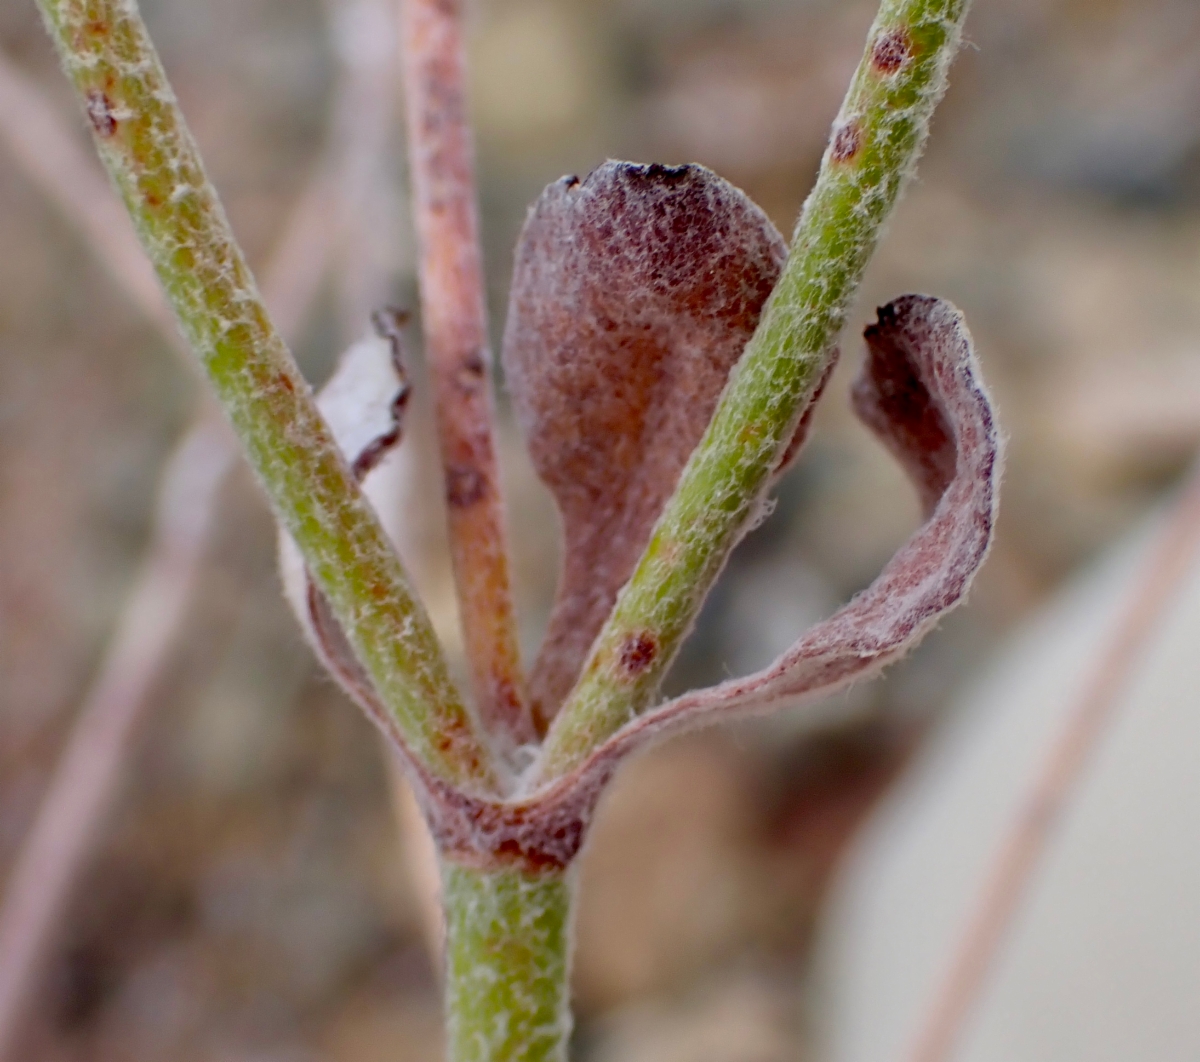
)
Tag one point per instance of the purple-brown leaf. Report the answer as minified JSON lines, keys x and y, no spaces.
{"x":920,"y":390}
{"x":633,"y":294}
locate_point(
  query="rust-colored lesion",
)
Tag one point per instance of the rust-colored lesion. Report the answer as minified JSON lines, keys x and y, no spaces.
{"x":453,"y":309}
{"x":638,"y":651}
{"x":847,"y":142}
{"x":891,"y":50}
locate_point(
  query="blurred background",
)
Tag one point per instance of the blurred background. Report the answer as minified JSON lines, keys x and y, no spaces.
{"x":249,"y":896}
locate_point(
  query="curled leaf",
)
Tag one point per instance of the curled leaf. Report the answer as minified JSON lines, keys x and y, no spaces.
{"x":921,"y":392}
{"x":363,"y":402}
{"x":633,"y":294}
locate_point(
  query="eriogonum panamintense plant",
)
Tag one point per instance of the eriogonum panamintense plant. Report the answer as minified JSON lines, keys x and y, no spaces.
{"x":664,"y":347}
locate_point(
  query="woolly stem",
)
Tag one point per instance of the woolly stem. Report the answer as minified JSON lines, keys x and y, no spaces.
{"x":142,"y":138}
{"x":877,"y":138}
{"x":507,"y":964}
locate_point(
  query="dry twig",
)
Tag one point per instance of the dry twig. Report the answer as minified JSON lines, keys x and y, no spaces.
{"x":452,"y":302}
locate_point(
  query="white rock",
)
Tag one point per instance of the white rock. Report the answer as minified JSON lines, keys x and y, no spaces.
{"x":1103,"y":961}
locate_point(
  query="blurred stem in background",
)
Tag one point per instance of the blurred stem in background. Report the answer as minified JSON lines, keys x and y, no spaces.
{"x":85,"y":782}
{"x":508,"y":927}
{"x":87,"y":778}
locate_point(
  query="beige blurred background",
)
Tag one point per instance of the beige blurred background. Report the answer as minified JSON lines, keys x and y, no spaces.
{"x":249,"y":898}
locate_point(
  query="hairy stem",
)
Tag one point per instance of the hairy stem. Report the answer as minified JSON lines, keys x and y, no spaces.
{"x":153,"y":161}
{"x":877,"y":138}
{"x":47,"y":149}
{"x":507,"y":964}
{"x":456,"y":343}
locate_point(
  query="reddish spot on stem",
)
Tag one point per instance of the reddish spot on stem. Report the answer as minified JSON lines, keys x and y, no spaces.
{"x":464,"y":487}
{"x":100,"y":114}
{"x":453,"y":738}
{"x":891,"y":50}
{"x":638,"y":652}
{"x":847,"y":142}
{"x":471,"y":372}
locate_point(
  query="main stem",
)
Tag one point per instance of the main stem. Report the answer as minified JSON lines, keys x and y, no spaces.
{"x":508,"y":939}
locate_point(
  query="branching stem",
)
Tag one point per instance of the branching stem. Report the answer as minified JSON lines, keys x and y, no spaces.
{"x":153,"y":160}
{"x":508,"y":928}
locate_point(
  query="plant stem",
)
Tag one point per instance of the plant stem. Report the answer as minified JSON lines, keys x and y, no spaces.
{"x":456,"y":344}
{"x":876,"y":141}
{"x":508,"y":937}
{"x":153,"y":161}
{"x":46,"y":146}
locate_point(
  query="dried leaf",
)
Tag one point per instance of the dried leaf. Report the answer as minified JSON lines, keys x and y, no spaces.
{"x":920,"y":390}
{"x":363,"y":402}
{"x":633,"y":294}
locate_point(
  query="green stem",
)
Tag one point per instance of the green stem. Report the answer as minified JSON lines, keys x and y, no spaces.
{"x":507,"y":964}
{"x":877,"y":139}
{"x":153,"y":161}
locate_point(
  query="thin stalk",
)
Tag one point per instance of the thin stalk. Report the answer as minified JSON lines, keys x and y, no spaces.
{"x":876,"y":141}
{"x":456,"y":344}
{"x":508,"y":937}
{"x":140,"y":133}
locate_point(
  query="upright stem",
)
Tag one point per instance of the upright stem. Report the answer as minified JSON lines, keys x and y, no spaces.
{"x":876,"y":141}
{"x":456,"y":343}
{"x":153,"y":160}
{"x":508,"y":938}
